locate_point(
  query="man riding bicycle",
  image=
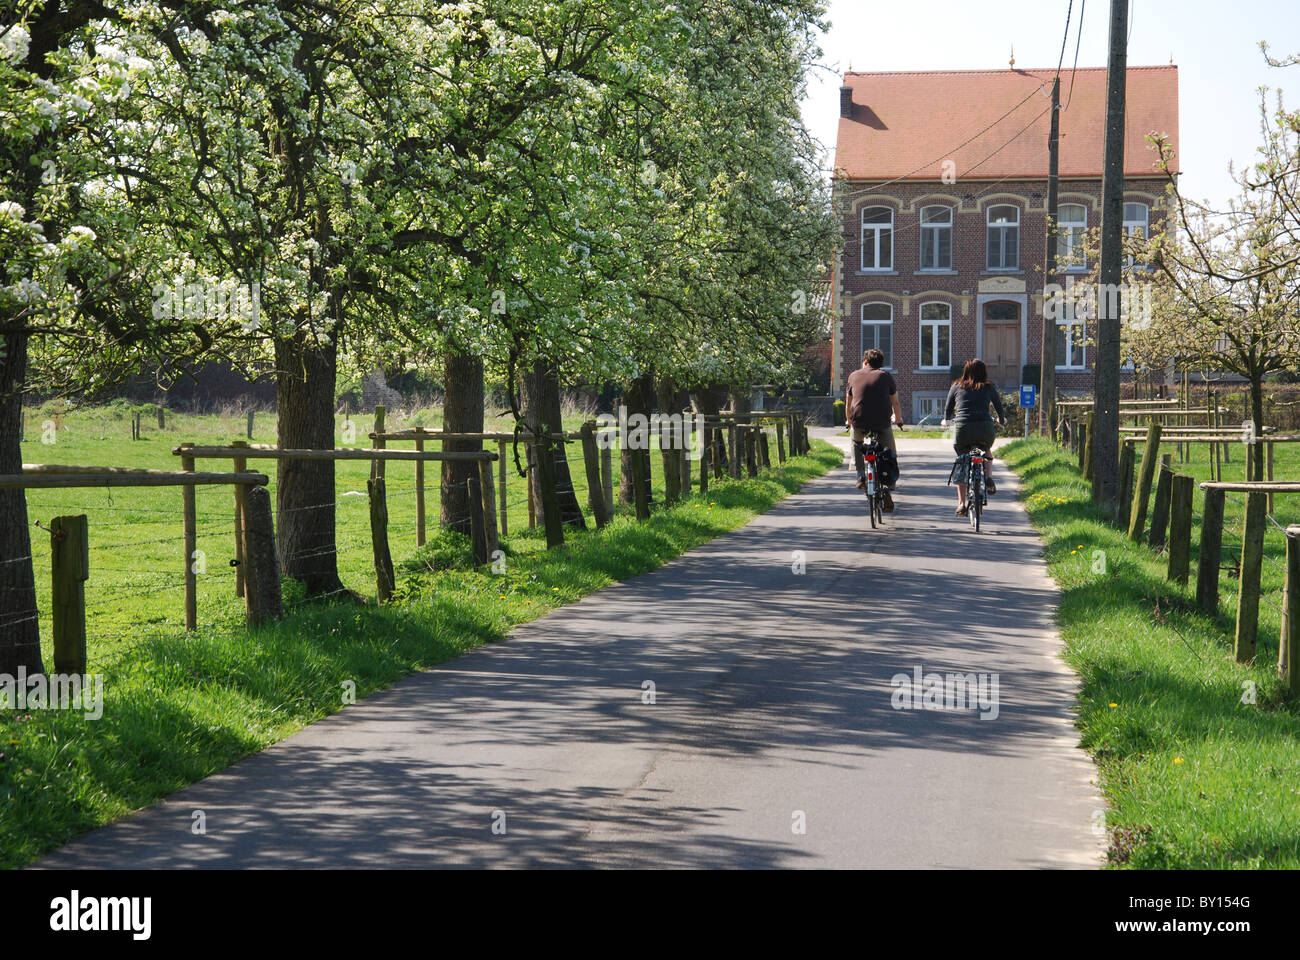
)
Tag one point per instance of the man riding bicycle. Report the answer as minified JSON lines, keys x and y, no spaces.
{"x":870,"y":398}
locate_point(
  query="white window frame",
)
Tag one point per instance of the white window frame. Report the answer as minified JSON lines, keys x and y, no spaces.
{"x":876,"y":230}
{"x":922,"y":398}
{"x":930,"y":327}
{"x":1131,"y":225}
{"x":1002,"y":229}
{"x":864,"y":323}
{"x":930,"y":236}
{"x":1075,"y":336}
{"x":1069,"y":238}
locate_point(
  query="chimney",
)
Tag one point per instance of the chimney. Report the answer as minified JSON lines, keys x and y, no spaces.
{"x":846,"y":101}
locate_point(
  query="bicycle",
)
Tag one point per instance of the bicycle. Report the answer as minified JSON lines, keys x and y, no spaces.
{"x":876,"y":490}
{"x":971,"y":465}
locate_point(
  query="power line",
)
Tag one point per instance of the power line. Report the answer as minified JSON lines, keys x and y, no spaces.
{"x":1078,"y":40}
{"x":1065,"y":39}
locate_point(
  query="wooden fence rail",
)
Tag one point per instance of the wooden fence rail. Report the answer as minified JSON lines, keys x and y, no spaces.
{"x":70,"y":569}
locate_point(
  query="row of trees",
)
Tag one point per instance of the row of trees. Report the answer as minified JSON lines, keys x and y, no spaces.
{"x":531,"y":192}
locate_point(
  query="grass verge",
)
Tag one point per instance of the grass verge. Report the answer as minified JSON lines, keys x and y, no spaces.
{"x":1199,"y":757}
{"x":176,"y":709}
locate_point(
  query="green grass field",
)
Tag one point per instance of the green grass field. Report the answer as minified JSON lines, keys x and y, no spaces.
{"x":1199,"y":757}
{"x":179,"y":706}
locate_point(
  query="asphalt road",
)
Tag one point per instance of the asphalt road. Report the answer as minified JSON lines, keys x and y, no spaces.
{"x":773,"y":739}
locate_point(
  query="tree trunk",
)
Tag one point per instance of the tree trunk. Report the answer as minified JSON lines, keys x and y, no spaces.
{"x":305,"y":494}
{"x":637,"y":400}
{"x":671,"y":440}
{"x":20,"y":640}
{"x":744,"y":437}
{"x":462,"y":412}
{"x":541,"y":390}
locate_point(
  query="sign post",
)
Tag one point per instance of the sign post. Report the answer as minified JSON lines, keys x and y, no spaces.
{"x":1028,"y":400}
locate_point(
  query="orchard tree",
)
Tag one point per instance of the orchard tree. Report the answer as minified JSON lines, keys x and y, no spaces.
{"x":1228,"y":296}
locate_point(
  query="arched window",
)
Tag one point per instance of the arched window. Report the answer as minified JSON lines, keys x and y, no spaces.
{"x":1071,"y":224}
{"x":936,"y":336}
{"x":877,"y":238}
{"x":1137,"y":218}
{"x":1004,"y":238}
{"x":936,"y":238}
{"x":878,"y":329}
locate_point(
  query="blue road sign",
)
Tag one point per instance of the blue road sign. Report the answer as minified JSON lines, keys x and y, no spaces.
{"x":1027,"y":395}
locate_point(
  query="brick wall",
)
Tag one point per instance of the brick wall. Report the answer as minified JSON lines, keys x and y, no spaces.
{"x":905,"y":288}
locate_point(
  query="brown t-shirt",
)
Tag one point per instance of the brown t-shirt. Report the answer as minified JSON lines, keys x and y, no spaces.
{"x":869,"y":392}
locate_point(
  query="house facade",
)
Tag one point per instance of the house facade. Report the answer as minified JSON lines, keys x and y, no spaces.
{"x":943,"y":253}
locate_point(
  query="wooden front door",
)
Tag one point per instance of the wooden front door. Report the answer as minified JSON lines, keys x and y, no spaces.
{"x":1002,"y":343}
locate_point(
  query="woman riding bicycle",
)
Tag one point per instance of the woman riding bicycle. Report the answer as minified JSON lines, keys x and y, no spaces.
{"x":967,"y":408}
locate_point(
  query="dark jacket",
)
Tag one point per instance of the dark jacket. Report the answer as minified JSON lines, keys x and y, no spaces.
{"x":966,"y":406}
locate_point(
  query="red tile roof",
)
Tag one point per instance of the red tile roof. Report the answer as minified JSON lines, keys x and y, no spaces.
{"x":904,"y":125}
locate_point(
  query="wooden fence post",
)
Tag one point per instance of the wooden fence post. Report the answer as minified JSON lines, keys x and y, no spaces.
{"x":706,"y":457}
{"x":530,"y":483}
{"x":733,"y":449}
{"x":262,"y":598}
{"x":780,"y":442}
{"x":69,"y":569}
{"x":1180,"y":529}
{"x":385,"y":579}
{"x":478,"y":519}
{"x":1138,"y":513}
{"x":1252,"y":559}
{"x":188,"y":527}
{"x":1207,"y":569}
{"x":1288,"y":647}
{"x":1160,"y":512}
{"x":377,"y":466}
{"x":1085,"y":448}
{"x":251,"y":415}
{"x":607,"y":476}
{"x":684,"y":455}
{"x":162,"y":417}
{"x":488,"y":493}
{"x":420,"y":521}
{"x":1268,"y":467}
{"x":600,"y":509}
{"x":239,"y":465}
{"x":501,"y":484}
{"x":764,"y":453}
{"x":1126,"y":459}
{"x":639,"y":497}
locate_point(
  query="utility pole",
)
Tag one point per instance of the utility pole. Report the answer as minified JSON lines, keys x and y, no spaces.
{"x":1105,"y":420}
{"x":1047,"y":356}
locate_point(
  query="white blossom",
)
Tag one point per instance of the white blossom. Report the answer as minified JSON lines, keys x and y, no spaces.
{"x":14,"y":44}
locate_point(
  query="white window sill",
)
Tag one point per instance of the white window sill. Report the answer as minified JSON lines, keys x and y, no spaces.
{"x":1071,"y":369}
{"x":873,"y":272}
{"x":931,"y":370}
{"x":936,"y":272}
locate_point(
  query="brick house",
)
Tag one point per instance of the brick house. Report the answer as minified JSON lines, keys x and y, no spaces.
{"x":943,"y":254}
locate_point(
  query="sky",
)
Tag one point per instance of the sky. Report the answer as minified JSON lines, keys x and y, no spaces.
{"x":1215,"y":45}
